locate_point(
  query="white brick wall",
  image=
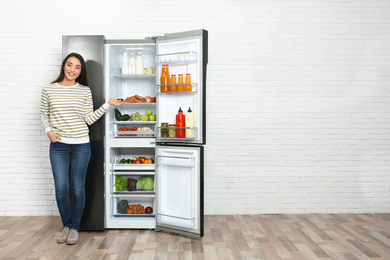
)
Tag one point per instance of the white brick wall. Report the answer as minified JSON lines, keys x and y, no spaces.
{"x":298,"y":98}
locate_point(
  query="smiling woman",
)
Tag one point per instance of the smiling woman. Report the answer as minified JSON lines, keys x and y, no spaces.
{"x":66,"y":112}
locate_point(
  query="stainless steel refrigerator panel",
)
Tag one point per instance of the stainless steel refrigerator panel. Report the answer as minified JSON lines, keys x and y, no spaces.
{"x":91,"y":48}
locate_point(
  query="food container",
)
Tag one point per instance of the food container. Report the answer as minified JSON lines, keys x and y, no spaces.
{"x":164,"y":130}
{"x":172,"y":130}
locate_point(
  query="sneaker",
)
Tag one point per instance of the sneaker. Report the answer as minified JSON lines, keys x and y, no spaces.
{"x":64,"y":236}
{"x":73,"y":237}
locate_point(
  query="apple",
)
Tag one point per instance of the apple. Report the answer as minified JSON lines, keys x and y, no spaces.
{"x":149,"y":210}
{"x":152,"y":118}
{"x":145,"y":117}
{"x":149,"y":112}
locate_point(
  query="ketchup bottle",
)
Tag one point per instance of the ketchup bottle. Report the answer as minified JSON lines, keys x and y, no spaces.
{"x":180,"y":122}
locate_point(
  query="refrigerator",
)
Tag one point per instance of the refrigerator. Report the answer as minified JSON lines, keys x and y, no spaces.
{"x":175,"y":162}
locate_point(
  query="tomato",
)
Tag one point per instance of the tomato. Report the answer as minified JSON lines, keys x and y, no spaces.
{"x":134,"y":128}
{"x":120,"y":129}
{"x":137,"y":161}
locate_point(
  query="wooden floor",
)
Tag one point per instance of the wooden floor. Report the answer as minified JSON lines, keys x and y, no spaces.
{"x":314,"y":236}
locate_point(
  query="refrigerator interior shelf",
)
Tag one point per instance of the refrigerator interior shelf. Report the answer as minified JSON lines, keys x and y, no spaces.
{"x":133,"y":76}
{"x":133,"y":173}
{"x":134,"y":166}
{"x":138,"y":104}
{"x":133,"y":196}
{"x":138,"y":192}
{"x":134,"y":215}
{"x":134,"y":133}
{"x":134,"y":122}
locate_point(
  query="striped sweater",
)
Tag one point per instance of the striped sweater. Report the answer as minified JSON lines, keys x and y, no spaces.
{"x":66,"y":110}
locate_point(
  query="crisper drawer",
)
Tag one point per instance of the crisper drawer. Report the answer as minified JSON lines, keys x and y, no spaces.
{"x":133,"y":129}
{"x":131,"y":162}
{"x":133,"y":205}
{"x":133,"y":182}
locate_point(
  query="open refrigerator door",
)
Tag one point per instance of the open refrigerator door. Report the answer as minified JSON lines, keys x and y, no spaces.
{"x":179,"y":189}
{"x":182,"y":56}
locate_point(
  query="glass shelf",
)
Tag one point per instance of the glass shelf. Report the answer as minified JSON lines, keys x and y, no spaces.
{"x":178,"y":58}
{"x":134,"y":76}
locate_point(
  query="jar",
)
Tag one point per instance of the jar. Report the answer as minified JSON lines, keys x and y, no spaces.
{"x":172,"y":130}
{"x":164,"y":130}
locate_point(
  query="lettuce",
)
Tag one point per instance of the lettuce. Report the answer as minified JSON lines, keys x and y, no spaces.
{"x":120,"y":184}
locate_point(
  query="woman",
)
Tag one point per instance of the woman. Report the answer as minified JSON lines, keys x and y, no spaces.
{"x":66,"y":110}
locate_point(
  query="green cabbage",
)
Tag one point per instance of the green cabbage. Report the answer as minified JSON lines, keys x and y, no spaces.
{"x":145,"y":183}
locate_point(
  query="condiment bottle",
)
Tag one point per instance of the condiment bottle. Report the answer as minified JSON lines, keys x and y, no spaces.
{"x":180,"y":88}
{"x":139,"y":64}
{"x":190,"y":122}
{"x":165,"y":78}
{"x":180,"y":122}
{"x":173,"y":88}
{"x":187,"y":86}
{"x":125,"y":63}
{"x":132,"y":63}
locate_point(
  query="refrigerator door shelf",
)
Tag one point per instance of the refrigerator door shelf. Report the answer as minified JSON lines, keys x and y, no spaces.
{"x":165,"y":139}
{"x":194,"y":90}
{"x":179,"y":58}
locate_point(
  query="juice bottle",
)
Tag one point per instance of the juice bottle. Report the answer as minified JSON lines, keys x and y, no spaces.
{"x":187,"y":86}
{"x":190,"y":122}
{"x":180,"y":88}
{"x":173,"y":88}
{"x":165,"y":78}
{"x":180,"y":122}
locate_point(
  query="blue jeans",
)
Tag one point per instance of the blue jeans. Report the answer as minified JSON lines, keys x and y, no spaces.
{"x":75,"y":156}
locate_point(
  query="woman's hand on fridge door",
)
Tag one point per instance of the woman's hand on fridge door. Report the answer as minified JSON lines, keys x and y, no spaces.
{"x":116,"y":102}
{"x":53,"y":136}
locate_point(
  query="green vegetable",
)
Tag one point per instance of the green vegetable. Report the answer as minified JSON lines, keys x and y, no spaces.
{"x":145,"y":183}
{"x":124,"y":117}
{"x":120,"y":183}
{"x":123,"y":206}
{"x":135,"y":117}
{"x":117,"y":114}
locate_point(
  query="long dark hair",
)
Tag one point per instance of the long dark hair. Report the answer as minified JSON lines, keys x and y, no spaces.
{"x":82,"y":78}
